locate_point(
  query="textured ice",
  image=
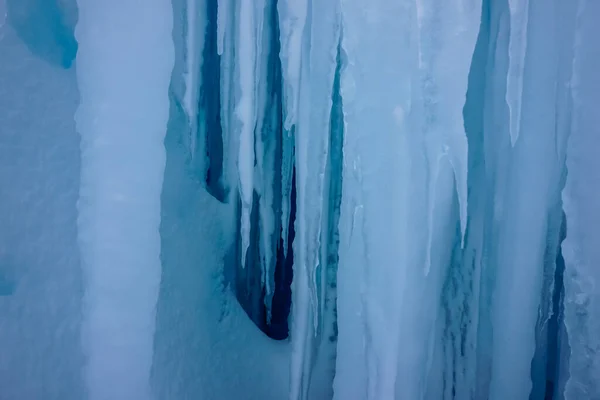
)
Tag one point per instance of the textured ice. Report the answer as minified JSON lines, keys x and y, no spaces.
{"x":221,"y":199}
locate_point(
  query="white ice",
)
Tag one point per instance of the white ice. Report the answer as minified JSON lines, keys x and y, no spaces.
{"x":124,"y":69}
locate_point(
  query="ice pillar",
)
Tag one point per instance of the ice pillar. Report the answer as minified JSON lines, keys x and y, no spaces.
{"x":123,"y":70}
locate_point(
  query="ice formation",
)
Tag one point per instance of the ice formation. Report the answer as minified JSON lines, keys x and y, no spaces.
{"x":271,"y":199}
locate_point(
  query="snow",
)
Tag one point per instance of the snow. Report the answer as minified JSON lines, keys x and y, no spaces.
{"x":122,"y":121}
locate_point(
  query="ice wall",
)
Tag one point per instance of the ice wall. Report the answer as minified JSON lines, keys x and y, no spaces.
{"x":40,"y":275}
{"x":123,"y":70}
{"x":532,"y":178}
{"x":580,"y":196}
{"x":404,"y":188}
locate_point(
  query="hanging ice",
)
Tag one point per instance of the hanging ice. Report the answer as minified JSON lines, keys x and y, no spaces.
{"x":580,"y":196}
{"x":405,"y":145}
{"x":122,"y":120}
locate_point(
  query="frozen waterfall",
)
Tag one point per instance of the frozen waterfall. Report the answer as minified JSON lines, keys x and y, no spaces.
{"x":299,"y":199}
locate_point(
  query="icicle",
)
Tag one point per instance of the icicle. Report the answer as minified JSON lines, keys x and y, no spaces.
{"x":223,"y":10}
{"x":265,"y":148}
{"x":445,"y":81}
{"x":415,"y":159}
{"x":315,"y":69}
{"x":287,"y":171}
{"x":245,"y":112}
{"x":292,"y":18}
{"x":196,"y":27}
{"x":517,"y":47}
{"x":581,"y":197}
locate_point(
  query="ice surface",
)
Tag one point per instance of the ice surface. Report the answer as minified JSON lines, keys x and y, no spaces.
{"x":122,"y":120}
{"x":580,"y":196}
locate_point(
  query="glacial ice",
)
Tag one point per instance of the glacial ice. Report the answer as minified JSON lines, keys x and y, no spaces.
{"x":215,"y":199}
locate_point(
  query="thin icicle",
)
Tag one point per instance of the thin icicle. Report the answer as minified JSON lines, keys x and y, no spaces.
{"x":311,"y":117}
{"x":581,"y":196}
{"x":519,"y":16}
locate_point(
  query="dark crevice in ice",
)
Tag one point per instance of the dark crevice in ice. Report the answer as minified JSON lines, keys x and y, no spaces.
{"x":209,"y":102}
{"x":556,"y":321}
{"x":462,"y":291}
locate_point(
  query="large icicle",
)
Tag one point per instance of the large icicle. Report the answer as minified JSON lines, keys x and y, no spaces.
{"x":266,"y":145}
{"x":581,"y":197}
{"x":226,"y":40}
{"x":292,"y":18}
{"x":376,"y":242}
{"x":318,"y":53}
{"x":124,"y":69}
{"x":531,"y":192}
{"x":447,"y":34}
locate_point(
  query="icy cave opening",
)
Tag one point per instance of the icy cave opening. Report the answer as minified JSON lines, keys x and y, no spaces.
{"x":299,"y":199}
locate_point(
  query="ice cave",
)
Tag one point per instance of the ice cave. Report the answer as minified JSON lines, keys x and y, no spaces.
{"x":299,"y":199}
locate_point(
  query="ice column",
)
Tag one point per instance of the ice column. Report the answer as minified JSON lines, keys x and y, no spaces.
{"x":517,"y":46}
{"x":404,"y":187}
{"x":123,"y":69}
